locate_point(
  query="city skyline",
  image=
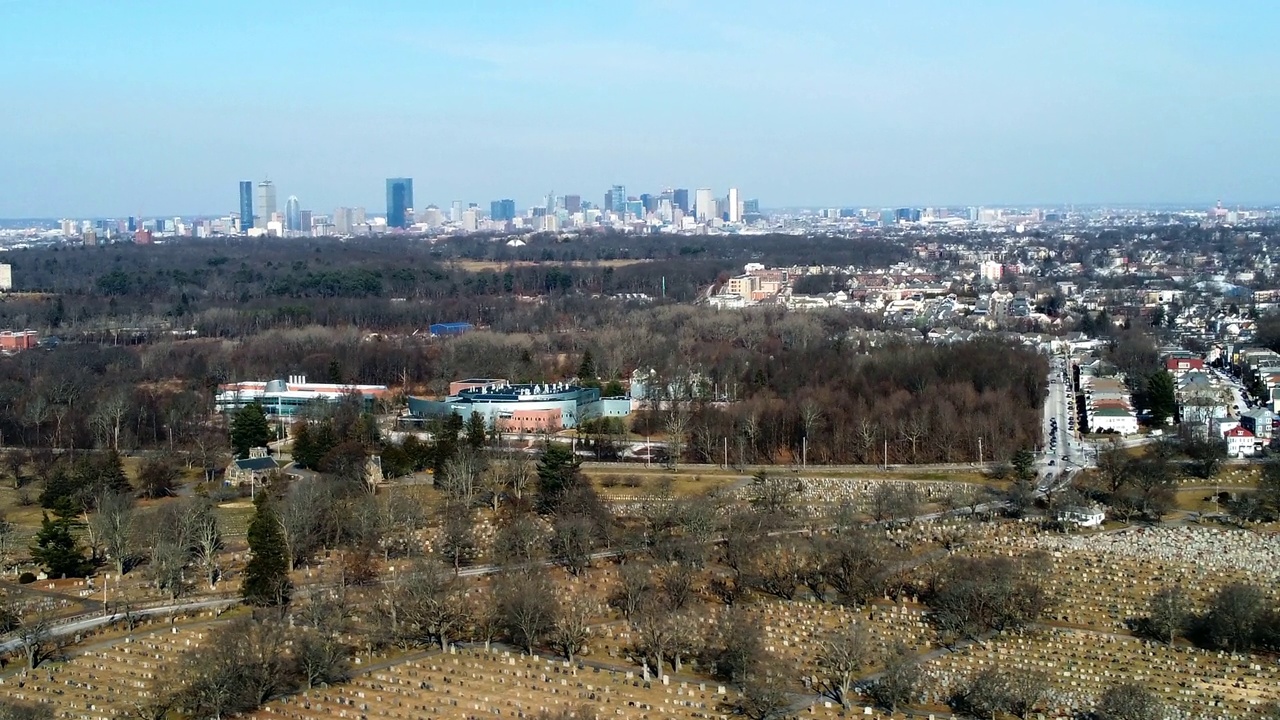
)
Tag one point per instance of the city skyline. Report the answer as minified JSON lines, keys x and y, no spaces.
{"x":817,"y":104}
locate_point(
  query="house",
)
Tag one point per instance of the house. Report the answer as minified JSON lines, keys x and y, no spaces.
{"x":1258,"y":421}
{"x":1082,"y":517}
{"x":1240,"y":442}
{"x":252,"y":470}
{"x":1178,"y":365}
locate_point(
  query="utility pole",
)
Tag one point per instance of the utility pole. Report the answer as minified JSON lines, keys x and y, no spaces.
{"x":804,"y":451}
{"x":648,"y":451}
{"x":726,"y":452}
{"x":886,"y":452}
{"x":979,"y":450}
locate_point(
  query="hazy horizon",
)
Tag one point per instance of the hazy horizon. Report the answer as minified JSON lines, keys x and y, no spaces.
{"x":149,"y":108}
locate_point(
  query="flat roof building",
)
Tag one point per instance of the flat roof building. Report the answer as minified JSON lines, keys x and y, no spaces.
{"x":281,"y":398}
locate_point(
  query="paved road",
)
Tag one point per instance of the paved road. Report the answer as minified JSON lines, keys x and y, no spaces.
{"x":82,"y":623}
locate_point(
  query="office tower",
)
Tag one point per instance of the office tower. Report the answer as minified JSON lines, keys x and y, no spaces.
{"x":342,"y":221}
{"x":359,"y":217}
{"x":573,"y":203}
{"x":455,"y":211}
{"x":304,"y":221}
{"x":246,"y":205}
{"x":616,"y":199}
{"x":735,"y":206}
{"x":502,"y":210}
{"x":266,"y":204}
{"x":751,"y":207}
{"x":292,"y":214}
{"x":680,"y":198}
{"x":399,"y":201}
{"x":550,"y":203}
{"x":650,"y":202}
{"x":132,"y":224}
{"x":705,"y":205}
{"x":470,"y":220}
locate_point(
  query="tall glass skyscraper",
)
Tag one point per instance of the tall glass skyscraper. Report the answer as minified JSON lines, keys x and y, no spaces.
{"x":617,"y":199}
{"x":246,"y":205}
{"x":399,"y":201}
{"x":502,"y":210}
{"x":292,"y":214}
{"x":680,"y":198}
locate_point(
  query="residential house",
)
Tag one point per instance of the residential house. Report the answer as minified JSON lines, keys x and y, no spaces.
{"x":1240,"y":442}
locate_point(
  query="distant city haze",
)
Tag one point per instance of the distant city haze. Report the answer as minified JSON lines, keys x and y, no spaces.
{"x":143,"y":108}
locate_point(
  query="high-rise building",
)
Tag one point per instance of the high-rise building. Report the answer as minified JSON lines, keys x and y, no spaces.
{"x":246,"y":205}
{"x":616,"y":200}
{"x":573,"y":203}
{"x":680,"y":198}
{"x":502,"y":210}
{"x":455,"y":211}
{"x":399,"y":201}
{"x":550,"y":203}
{"x":304,"y":221}
{"x":342,"y":221}
{"x":292,"y":214}
{"x":735,"y":206}
{"x":266,"y":204}
{"x":751,"y":207}
{"x":650,"y":202}
{"x":705,"y":205}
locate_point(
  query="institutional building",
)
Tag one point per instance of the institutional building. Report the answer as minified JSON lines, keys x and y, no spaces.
{"x":529,"y":407}
{"x":281,"y":398}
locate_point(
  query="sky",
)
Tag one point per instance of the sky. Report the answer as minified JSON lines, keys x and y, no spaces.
{"x":160,"y":107}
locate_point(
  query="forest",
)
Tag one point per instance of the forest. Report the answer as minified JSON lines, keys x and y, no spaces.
{"x":226,"y":288}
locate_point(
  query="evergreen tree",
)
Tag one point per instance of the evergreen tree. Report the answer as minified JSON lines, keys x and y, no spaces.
{"x":304,"y":446}
{"x":56,"y":546}
{"x":1162,"y":397}
{"x":475,"y":431}
{"x":587,"y":370}
{"x":266,"y":577}
{"x":249,"y":429}
{"x":1024,"y":465}
{"x":557,"y":475}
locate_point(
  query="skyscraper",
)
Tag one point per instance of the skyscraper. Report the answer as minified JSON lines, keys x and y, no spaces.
{"x":680,"y":198}
{"x":246,"y":205}
{"x":735,"y":206}
{"x":616,"y":200}
{"x":292,"y":214}
{"x":572,"y":203}
{"x":399,"y":201}
{"x":455,"y":211}
{"x":502,"y":210}
{"x":705,"y":207}
{"x":266,"y":204}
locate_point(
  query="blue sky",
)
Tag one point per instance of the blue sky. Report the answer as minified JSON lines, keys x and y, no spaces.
{"x":114,"y":107}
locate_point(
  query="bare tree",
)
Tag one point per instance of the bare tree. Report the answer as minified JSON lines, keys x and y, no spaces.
{"x":207,"y":543}
{"x":841,"y":657}
{"x":36,"y":638}
{"x":114,"y":524}
{"x":461,"y":479}
{"x":1129,"y":701}
{"x":677,"y":428}
{"x":634,"y":582}
{"x":899,"y":682}
{"x":572,"y":626}
{"x":528,"y":607}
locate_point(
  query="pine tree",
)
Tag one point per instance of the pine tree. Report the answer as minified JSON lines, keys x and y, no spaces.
{"x":557,"y":474}
{"x":303,"y":445}
{"x":56,"y":546}
{"x":249,"y":429}
{"x":266,"y":577}
{"x":587,"y":370}
{"x":475,"y":431}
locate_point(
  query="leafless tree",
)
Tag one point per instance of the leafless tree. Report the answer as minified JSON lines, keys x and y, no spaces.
{"x":528,"y":605}
{"x":114,"y":524}
{"x":207,"y":543}
{"x":841,"y":657}
{"x":572,"y":626}
{"x":36,"y":637}
{"x":461,"y":479}
{"x":634,"y":582}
